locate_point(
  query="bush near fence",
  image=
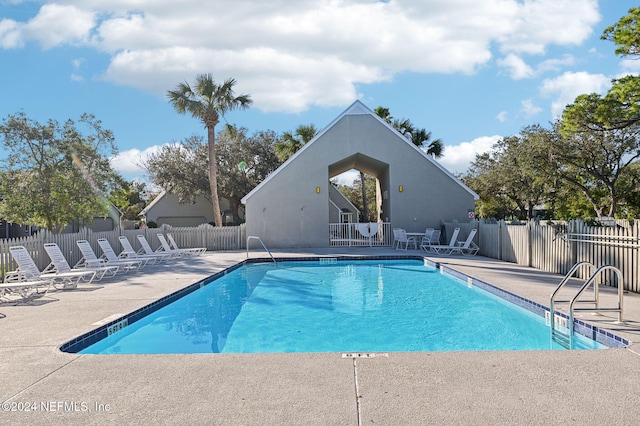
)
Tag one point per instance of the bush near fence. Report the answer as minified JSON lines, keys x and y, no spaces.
{"x":211,"y":237}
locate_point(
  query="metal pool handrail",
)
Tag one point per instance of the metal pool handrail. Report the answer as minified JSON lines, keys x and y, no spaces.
{"x":252,"y":237}
{"x":574,"y":268}
{"x":592,"y":280}
{"x":569,"y":337}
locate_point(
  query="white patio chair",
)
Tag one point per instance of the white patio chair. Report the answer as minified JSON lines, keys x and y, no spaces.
{"x":59,"y":264}
{"x":112,"y":257}
{"x":28,"y":271}
{"x":90,"y":260}
{"x":400,"y":238}
{"x":431,"y":237}
{"x":447,"y":248}
{"x":195,"y":250}
{"x":146,"y":250}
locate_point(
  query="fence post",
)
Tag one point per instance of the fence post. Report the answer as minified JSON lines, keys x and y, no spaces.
{"x":635,"y":256}
{"x":501,"y":230}
{"x":530,"y":225}
{"x":573,"y":245}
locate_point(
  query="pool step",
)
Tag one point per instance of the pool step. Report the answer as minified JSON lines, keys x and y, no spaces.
{"x":562,"y":339}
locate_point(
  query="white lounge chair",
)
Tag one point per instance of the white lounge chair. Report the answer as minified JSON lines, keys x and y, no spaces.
{"x":59,"y":264}
{"x":195,"y":250}
{"x":90,"y":260}
{"x":165,"y":247}
{"x":112,"y":257}
{"x":128,"y":252}
{"x":431,"y":237}
{"x":147,"y":250}
{"x":468,"y":247}
{"x":448,"y":248}
{"x":28,"y":271}
{"x":23,"y":290}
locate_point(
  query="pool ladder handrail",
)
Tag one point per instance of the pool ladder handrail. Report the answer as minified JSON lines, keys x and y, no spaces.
{"x":567,"y":340}
{"x":253,"y":237}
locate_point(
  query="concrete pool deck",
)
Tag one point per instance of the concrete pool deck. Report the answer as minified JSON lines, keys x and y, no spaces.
{"x":39,"y":385}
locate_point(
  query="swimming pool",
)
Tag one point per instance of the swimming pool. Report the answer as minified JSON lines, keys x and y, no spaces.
{"x":325,"y":305}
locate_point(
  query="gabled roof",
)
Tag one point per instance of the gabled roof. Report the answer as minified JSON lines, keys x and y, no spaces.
{"x":153,"y":202}
{"x":358,"y":108}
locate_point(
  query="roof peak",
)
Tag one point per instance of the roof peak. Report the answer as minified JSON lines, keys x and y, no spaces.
{"x":357,"y":108}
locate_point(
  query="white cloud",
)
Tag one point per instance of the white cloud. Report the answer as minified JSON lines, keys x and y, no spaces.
{"x":518,"y":69}
{"x":502,"y":116}
{"x":516,"y":66}
{"x":129,"y":163}
{"x":292,"y":55}
{"x":568,"y":86}
{"x":347,"y":178}
{"x":629,"y":66}
{"x":555,"y":64}
{"x":529,"y":109}
{"x":458,"y":158}
{"x":540,"y":23}
{"x":10,"y":34}
{"x":56,"y":24}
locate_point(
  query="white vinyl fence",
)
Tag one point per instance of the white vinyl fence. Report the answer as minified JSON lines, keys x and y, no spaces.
{"x":211,"y":237}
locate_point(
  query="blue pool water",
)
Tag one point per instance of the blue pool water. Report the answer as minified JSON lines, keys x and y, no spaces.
{"x":356,"y":306}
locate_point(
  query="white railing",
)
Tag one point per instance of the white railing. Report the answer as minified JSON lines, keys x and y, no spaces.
{"x":348,"y":235}
{"x":253,"y":237}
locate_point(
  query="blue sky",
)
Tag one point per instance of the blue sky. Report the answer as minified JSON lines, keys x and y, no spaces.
{"x":468,"y":71}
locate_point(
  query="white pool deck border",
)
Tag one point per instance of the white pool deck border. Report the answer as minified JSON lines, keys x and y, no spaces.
{"x":39,"y":384}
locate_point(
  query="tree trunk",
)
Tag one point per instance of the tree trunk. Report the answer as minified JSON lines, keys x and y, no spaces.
{"x":213,"y":176}
{"x":365,"y":206}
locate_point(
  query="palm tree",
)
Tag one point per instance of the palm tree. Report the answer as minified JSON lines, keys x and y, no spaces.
{"x":292,"y":142}
{"x":419,"y":137}
{"x":208,"y":101}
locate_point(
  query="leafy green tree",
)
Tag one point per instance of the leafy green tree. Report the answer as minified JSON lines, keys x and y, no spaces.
{"x":600,"y":134}
{"x":625,"y":34}
{"x":208,"y":102}
{"x":244,"y":162}
{"x":181,"y":169}
{"x":513,"y":174}
{"x":55,"y":174}
{"x":624,"y":95}
{"x":567,"y":203}
{"x":353,"y":193}
{"x":129,"y":197}
{"x":629,"y":208}
{"x":292,"y":142}
{"x":483,"y":177}
{"x":596,"y":153}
